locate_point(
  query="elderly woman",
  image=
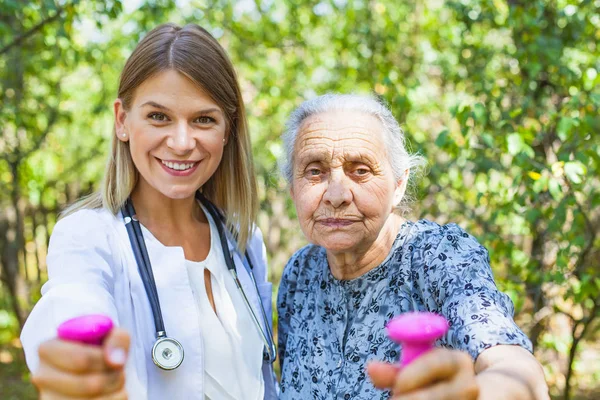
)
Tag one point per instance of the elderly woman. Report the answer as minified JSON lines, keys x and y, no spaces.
{"x":348,"y":169}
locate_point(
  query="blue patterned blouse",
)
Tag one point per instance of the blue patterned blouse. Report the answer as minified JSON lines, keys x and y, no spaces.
{"x":329,"y":329}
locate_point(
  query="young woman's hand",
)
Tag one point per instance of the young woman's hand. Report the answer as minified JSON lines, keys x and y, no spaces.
{"x":441,"y":374}
{"x":70,"y":370}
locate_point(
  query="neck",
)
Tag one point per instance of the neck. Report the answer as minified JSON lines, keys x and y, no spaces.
{"x":157,"y":211}
{"x":352,"y":264}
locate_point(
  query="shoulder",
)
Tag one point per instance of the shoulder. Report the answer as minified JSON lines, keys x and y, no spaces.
{"x":428,"y":232}
{"x":85,"y":243}
{"x":308,"y":253}
{"x":304,"y":263}
{"x":256,"y":241}
{"x":294,"y":285}
{"x":257,"y":253}
{"x":84,"y":229}
{"x":446,"y":261}
{"x":429,"y":240}
{"x":306,"y":256}
{"x":85,"y":222}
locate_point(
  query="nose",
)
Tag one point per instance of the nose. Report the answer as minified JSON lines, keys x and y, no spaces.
{"x":181,"y":140}
{"x":338,"y":192}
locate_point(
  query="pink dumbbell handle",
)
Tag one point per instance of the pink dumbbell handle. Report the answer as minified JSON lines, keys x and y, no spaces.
{"x":89,"y":329}
{"x":417,"y":333}
{"x":412,"y":351}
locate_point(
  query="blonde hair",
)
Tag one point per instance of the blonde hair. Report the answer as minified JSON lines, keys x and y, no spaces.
{"x":192,"y":51}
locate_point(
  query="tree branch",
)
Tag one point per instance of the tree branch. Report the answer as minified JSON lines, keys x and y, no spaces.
{"x":33,"y":30}
{"x":587,"y":322}
{"x":75,"y":168}
{"x":558,"y":309}
{"x":591,"y":229}
{"x":38,"y":142}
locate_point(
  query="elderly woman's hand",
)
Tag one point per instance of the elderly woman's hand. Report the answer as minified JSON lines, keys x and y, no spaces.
{"x":439,"y":374}
{"x":71,"y":370}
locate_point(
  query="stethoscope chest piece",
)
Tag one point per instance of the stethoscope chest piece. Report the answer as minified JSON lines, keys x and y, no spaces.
{"x":167,"y":353}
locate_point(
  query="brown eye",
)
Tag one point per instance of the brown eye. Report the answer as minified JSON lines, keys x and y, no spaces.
{"x":361,"y":171}
{"x":313,"y":172}
{"x":158,"y":116}
{"x":205,"y":120}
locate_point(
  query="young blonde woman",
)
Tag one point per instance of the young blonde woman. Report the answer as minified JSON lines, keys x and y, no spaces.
{"x":167,"y":248}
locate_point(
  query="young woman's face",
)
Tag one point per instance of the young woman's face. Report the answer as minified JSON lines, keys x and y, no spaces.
{"x":176,"y":134}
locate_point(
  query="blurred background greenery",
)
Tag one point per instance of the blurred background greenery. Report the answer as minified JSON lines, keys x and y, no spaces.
{"x":501,"y":96}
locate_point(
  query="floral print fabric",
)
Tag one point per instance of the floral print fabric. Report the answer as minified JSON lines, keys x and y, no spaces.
{"x":329,"y":328}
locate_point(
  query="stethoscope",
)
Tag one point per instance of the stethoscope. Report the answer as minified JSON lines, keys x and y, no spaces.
{"x":167,"y":353}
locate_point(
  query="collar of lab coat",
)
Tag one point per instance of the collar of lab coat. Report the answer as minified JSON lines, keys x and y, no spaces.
{"x":163,"y":254}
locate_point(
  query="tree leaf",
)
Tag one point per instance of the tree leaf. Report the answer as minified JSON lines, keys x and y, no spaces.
{"x":515,"y":143}
{"x":575,"y":170}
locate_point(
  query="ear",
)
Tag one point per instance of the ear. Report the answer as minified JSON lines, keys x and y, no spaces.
{"x":401,"y":187}
{"x":120,"y":121}
{"x":227,"y":136}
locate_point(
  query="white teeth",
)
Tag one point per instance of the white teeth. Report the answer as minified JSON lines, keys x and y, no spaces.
{"x":178,"y":166}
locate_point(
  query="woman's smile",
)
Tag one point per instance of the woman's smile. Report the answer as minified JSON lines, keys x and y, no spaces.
{"x":179,"y":168}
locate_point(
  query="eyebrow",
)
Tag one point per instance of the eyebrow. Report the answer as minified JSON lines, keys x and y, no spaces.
{"x":155,"y":105}
{"x":324,"y":156}
{"x":161,"y":107}
{"x":313,"y":155}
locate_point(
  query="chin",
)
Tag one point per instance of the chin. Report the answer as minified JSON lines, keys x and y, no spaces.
{"x":179,"y":193}
{"x":337,"y":243}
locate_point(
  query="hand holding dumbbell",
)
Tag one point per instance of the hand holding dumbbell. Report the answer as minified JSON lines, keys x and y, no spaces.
{"x":424,"y":371}
{"x":87,"y":360}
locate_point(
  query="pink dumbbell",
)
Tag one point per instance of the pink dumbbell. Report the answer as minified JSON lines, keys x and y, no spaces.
{"x":89,"y":329}
{"x":416,"y":332}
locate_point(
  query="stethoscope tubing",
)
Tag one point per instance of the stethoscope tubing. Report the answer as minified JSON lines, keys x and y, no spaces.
{"x":266,"y":320}
{"x":270,"y":354}
{"x":269,"y":344}
{"x":145,"y":268}
{"x":142,"y":258}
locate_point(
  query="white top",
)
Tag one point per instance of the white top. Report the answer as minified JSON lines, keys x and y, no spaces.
{"x":91,"y":269}
{"x":232,"y":344}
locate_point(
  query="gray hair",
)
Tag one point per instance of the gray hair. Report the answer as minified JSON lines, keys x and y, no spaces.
{"x":400,"y":159}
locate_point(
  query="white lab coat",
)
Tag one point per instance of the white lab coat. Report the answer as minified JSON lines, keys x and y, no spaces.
{"x":92,"y":269}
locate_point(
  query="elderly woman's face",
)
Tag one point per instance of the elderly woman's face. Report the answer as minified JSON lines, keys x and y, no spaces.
{"x":343,"y":186}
